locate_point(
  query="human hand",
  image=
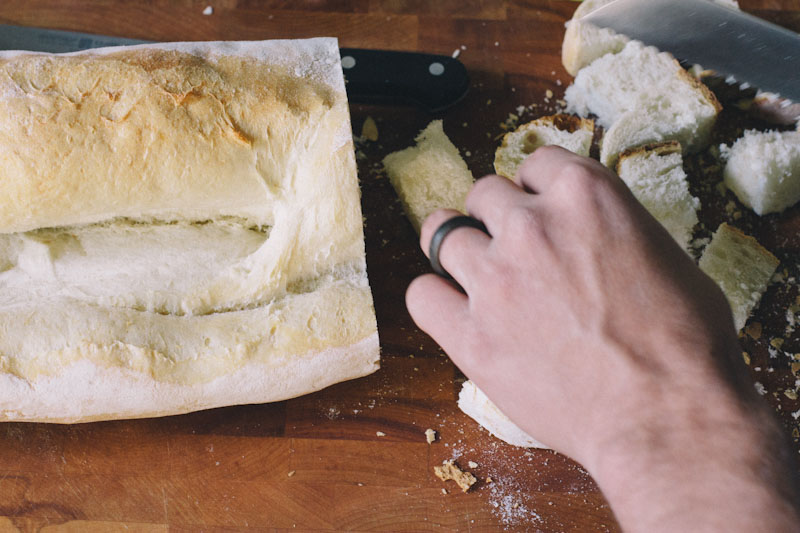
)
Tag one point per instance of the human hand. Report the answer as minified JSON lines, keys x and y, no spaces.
{"x":584,"y":321}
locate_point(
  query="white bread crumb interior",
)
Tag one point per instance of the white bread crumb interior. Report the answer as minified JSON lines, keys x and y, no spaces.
{"x":741,"y":267}
{"x":429,"y":176}
{"x":763,"y":170}
{"x":654,"y":173}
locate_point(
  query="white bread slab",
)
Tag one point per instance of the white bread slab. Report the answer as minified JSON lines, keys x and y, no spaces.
{"x":477,"y":405}
{"x":183,"y":231}
{"x":741,"y":267}
{"x":642,"y":96}
{"x":655,"y":176}
{"x":568,"y":131}
{"x":763,"y":170}
{"x":429,"y":176}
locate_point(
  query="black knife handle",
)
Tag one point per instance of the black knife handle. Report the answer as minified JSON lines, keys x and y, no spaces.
{"x":433,"y":82}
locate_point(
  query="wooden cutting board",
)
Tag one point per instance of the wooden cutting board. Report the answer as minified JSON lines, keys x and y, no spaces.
{"x":354,"y":457}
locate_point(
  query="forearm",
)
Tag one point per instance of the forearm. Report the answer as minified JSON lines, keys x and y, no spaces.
{"x":729,"y":472}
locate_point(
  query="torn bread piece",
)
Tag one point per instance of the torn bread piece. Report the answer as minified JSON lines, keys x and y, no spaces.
{"x":763,"y":170}
{"x":642,"y":96}
{"x":584,"y":42}
{"x":741,"y":267}
{"x":480,"y":408}
{"x":655,"y":176}
{"x":180,"y":229}
{"x":449,"y":470}
{"x":568,"y":131}
{"x":429,"y":176}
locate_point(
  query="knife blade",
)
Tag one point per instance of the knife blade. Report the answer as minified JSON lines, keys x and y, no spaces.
{"x":731,"y":42}
{"x":432,"y":82}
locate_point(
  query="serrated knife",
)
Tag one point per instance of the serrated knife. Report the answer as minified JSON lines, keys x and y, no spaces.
{"x":731,"y":42}
{"x":432,"y":82}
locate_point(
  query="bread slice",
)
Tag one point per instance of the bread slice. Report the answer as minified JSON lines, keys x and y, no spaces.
{"x":480,"y":408}
{"x":180,"y":229}
{"x":643,"y":96}
{"x":583,"y":42}
{"x":763,"y":170}
{"x":430,"y":175}
{"x":568,"y":131}
{"x":654,"y":173}
{"x":741,"y":267}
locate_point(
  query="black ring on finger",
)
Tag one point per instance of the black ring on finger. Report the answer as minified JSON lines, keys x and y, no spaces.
{"x":442,"y":232}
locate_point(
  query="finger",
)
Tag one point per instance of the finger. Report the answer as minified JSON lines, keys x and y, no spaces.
{"x":490,"y":199}
{"x":461,"y":250}
{"x":439,"y":309}
{"x":548,"y":164}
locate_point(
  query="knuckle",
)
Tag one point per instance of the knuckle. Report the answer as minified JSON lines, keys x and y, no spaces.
{"x":484,"y":187}
{"x":523,"y":222}
{"x":580,"y":183}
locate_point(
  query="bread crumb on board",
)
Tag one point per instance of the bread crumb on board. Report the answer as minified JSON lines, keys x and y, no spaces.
{"x":369,"y":130}
{"x":380,"y":434}
{"x":430,"y":435}
{"x":753,"y":330}
{"x":449,"y":470}
{"x":208,"y":10}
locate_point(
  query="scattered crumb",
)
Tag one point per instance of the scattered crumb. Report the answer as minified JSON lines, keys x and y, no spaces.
{"x":449,"y":470}
{"x":291,"y":473}
{"x":754,"y":330}
{"x":489,"y":479}
{"x":792,"y":395}
{"x":746,"y":357}
{"x":208,"y":10}
{"x":472,"y":464}
{"x":380,"y":433}
{"x":548,"y":93}
{"x":507,"y":505}
{"x":776,"y":343}
{"x":456,"y":52}
{"x":444,"y":491}
{"x":430,"y":435}
{"x":369,"y":131}
{"x":760,"y":388}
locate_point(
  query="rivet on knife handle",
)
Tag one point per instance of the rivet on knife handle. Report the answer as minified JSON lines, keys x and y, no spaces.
{"x":433,"y":82}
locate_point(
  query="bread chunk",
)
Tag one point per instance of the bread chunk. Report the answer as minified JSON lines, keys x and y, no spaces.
{"x":642,"y":96}
{"x":570,"y":132}
{"x":763,"y":170}
{"x":429,"y":176}
{"x":741,"y":267}
{"x":655,"y":176}
{"x":480,"y":408}
{"x":583,"y":42}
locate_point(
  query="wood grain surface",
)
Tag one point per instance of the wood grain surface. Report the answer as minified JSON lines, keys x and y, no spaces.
{"x":353,"y":457}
